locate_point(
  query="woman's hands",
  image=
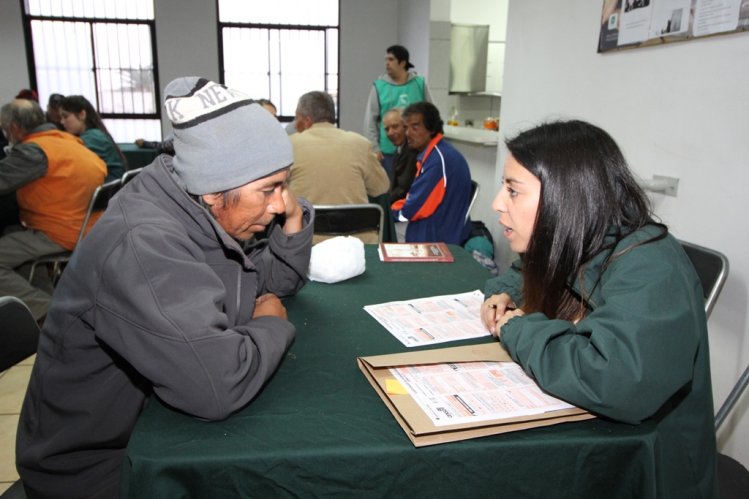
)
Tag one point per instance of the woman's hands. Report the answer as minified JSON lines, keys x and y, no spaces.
{"x":497,"y":310}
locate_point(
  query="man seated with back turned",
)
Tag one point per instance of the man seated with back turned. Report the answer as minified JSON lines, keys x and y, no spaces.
{"x":53,"y":176}
{"x":164,"y":297}
{"x":438,"y":199}
{"x":332,"y":166}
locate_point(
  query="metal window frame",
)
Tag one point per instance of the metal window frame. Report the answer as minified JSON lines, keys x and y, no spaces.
{"x":220,"y":25}
{"x":91,"y":21}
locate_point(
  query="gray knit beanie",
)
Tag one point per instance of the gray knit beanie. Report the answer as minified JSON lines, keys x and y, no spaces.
{"x":221,"y":139}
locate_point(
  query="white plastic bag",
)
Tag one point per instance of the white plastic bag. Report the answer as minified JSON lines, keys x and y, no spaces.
{"x":336,"y":259}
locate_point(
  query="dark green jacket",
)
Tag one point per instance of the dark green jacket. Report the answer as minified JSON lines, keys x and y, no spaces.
{"x":97,"y":141}
{"x":640,"y":352}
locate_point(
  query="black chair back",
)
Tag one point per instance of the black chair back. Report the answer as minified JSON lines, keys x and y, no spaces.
{"x":347,"y":219}
{"x":20,"y":333}
{"x":712,"y":269}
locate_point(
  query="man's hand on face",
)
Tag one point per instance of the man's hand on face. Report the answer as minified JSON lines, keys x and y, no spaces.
{"x":293,"y":213}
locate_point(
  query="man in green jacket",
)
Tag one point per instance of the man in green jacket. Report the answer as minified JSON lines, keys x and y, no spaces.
{"x":399,"y":86}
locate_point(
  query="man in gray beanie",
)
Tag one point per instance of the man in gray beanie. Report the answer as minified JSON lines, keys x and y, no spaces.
{"x":170,"y":294}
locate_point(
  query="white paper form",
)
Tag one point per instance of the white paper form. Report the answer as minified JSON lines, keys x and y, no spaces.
{"x":670,"y":17}
{"x":634,"y":23}
{"x":469,"y":392}
{"x":715,"y":16}
{"x":426,"y":321}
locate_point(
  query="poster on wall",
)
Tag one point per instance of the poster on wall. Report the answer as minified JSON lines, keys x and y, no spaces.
{"x":637,"y":23}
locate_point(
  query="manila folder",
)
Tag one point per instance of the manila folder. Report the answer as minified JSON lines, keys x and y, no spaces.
{"x":417,"y":425}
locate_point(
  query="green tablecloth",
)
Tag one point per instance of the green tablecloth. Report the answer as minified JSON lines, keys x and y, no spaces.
{"x":319,"y":429}
{"x":136,"y":156}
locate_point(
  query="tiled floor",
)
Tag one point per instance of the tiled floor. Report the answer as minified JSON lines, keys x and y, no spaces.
{"x":13,"y":384}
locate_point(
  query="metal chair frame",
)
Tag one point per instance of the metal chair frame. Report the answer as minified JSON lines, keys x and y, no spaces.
{"x":474,"y":194}
{"x":712,"y":269}
{"x":129,"y":175}
{"x":99,"y":202}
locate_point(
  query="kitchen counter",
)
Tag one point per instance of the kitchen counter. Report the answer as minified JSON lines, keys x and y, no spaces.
{"x":472,"y":135}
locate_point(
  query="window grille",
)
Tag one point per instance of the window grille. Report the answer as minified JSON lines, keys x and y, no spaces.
{"x":101,"y":49}
{"x":279,"y":50}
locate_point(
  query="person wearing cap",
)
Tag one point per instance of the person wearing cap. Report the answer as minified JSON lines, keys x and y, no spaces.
{"x":171,"y":294}
{"x":399,"y":86}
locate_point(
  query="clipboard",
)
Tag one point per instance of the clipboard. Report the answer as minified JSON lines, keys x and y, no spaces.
{"x":417,"y":425}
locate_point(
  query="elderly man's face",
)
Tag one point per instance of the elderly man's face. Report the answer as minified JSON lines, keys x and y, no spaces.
{"x":417,"y":134}
{"x":258,"y":204}
{"x":395,"y":129}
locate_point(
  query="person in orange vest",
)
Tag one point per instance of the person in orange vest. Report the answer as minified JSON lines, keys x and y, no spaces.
{"x":53,"y":176}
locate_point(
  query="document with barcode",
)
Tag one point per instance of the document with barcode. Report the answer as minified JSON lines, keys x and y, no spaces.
{"x":470,"y":392}
{"x":438,"y":319}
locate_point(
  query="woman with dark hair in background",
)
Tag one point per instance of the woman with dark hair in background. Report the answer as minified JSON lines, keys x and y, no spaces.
{"x":603,"y":308}
{"x":80,"y":118}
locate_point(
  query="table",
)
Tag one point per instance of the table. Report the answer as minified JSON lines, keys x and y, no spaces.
{"x":136,"y":156}
{"x":319,"y":429}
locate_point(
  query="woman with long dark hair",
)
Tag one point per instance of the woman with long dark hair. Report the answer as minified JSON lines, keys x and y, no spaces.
{"x":80,"y":118}
{"x":603,"y":308}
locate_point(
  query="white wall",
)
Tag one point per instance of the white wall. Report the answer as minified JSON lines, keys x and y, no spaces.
{"x":186,"y":42}
{"x":367,"y":29}
{"x":12,"y":52}
{"x":413,"y":32}
{"x":677,"y":109}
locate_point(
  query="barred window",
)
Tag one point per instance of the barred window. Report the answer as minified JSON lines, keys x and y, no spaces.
{"x":101,"y":49}
{"x":279,"y":50}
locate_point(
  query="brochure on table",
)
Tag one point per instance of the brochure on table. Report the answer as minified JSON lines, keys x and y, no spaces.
{"x":415,"y":252}
{"x":426,"y":321}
